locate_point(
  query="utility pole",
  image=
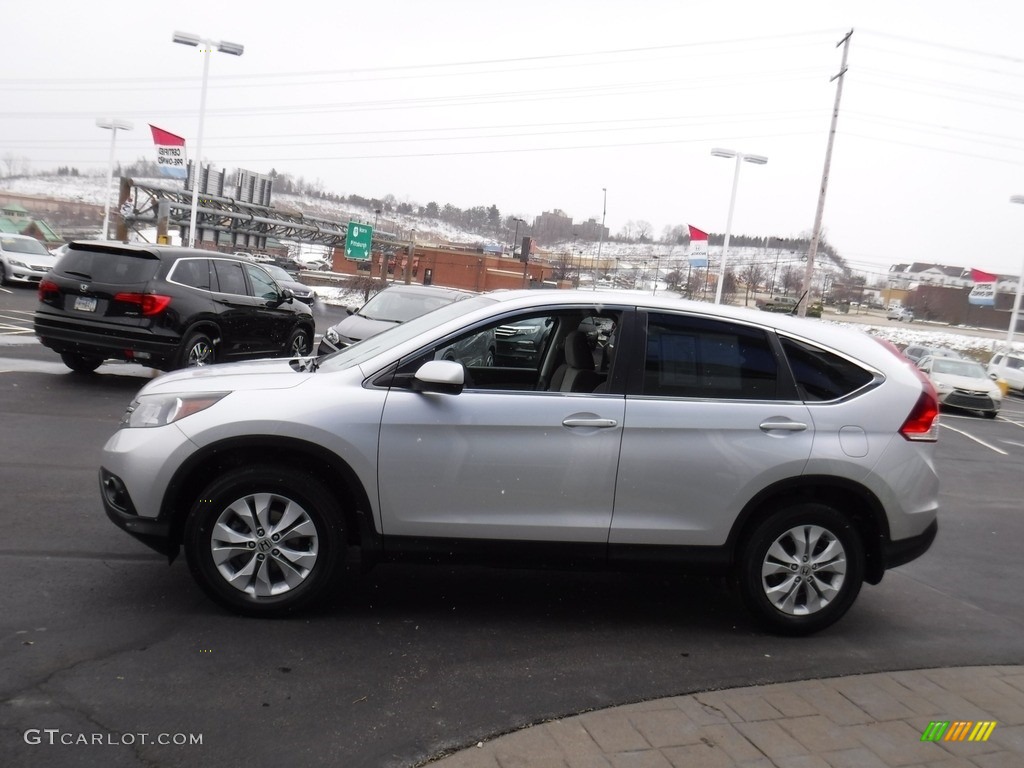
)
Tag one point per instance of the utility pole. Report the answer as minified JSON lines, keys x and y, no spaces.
{"x":812,"y":251}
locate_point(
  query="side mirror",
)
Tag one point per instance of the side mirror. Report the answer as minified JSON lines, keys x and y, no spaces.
{"x":287,"y":296}
{"x":443,"y":376}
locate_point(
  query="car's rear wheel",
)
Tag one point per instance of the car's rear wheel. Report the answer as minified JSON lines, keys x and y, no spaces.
{"x":81,"y":363}
{"x":197,"y":350}
{"x":299,"y":343}
{"x":264,"y":541}
{"x":801,"y":569}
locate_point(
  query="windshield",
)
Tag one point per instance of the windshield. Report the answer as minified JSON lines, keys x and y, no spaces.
{"x":367,"y":348}
{"x":959,"y":368}
{"x":399,"y":306}
{"x":24,"y":245}
{"x":277,"y":272}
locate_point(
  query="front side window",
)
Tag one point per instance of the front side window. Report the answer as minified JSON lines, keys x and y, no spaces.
{"x":706,"y":358}
{"x":263,"y":285}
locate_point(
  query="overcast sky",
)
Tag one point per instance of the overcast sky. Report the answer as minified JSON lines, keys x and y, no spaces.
{"x":535,"y":106}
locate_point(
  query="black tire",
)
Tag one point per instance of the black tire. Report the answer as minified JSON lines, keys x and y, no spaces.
{"x":299,"y":344}
{"x":990,"y":414}
{"x":288,"y":538}
{"x":81,"y":363}
{"x":198,"y":350}
{"x":801,"y":569}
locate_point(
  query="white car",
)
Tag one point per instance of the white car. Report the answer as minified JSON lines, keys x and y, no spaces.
{"x":1011,"y":370}
{"x":899,"y":314}
{"x":963,"y":384}
{"x":23,"y":259}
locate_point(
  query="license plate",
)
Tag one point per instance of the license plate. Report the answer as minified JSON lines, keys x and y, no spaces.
{"x":85,"y":303}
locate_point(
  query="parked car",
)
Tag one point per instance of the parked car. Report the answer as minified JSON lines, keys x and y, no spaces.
{"x":900,"y":314}
{"x":1010,"y":370}
{"x":392,"y":306}
{"x":165,"y":307}
{"x":23,"y":259}
{"x":300,"y":291}
{"x":915,"y":352}
{"x":963,"y":384}
{"x":785,"y":304}
{"x":524,"y":340}
{"x":797,"y":458}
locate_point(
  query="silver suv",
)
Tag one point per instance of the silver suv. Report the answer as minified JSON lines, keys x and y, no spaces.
{"x":793,"y":456}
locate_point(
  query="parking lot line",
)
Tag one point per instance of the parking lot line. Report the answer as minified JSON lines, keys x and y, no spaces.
{"x":975,"y":439}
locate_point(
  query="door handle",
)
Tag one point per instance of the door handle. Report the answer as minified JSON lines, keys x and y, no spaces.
{"x":579,"y":422}
{"x":784,"y":425}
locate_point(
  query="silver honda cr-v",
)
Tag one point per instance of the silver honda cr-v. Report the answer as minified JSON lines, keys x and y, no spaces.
{"x":792,"y":455}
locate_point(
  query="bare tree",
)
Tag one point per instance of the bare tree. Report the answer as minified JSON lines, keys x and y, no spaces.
{"x":753,"y":275}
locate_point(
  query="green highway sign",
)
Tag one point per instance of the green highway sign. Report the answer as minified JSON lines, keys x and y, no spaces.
{"x":358,"y":241}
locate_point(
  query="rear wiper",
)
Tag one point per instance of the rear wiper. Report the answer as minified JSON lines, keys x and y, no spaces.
{"x":78,"y":274}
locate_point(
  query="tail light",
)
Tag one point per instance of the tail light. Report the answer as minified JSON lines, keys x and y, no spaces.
{"x":923,"y":422}
{"x":49,"y":292}
{"x":922,"y":425}
{"x":149,"y":303}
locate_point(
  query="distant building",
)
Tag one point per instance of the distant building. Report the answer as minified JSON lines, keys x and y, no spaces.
{"x":557,"y":226}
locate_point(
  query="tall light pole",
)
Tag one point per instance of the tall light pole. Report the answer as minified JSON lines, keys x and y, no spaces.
{"x":600,"y":242}
{"x":1016,"y":305}
{"x":235,"y":49}
{"x":113,"y":126}
{"x":740,"y":158}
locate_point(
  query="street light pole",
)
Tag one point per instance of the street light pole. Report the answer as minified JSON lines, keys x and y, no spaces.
{"x":113,"y":126}
{"x":186,"y":38}
{"x":600,"y":242}
{"x":740,"y":158}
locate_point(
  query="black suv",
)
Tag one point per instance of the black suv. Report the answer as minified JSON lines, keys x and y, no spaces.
{"x":165,"y":307}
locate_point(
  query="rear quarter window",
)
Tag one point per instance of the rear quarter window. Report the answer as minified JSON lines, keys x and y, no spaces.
{"x":102,"y":267}
{"x":822,"y":375}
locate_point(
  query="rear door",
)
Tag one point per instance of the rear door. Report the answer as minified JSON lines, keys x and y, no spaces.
{"x":710,"y":419}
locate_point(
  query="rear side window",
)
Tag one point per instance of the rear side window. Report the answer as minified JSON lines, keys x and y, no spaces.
{"x":194,"y":273}
{"x":700,"y":357}
{"x":823,"y":375}
{"x":103,"y":267}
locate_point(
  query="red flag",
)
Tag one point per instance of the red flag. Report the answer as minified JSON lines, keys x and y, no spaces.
{"x":983,"y":277}
{"x":696,"y":234}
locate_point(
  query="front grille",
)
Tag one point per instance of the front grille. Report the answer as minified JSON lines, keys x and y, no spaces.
{"x":963,"y":399}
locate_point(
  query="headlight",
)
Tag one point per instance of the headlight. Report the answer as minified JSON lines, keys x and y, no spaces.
{"x":18,"y":263}
{"x":331,"y":335}
{"x":161,"y":410}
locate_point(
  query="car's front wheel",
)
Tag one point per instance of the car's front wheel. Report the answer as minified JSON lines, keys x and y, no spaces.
{"x":264,"y":541}
{"x":801,"y":569}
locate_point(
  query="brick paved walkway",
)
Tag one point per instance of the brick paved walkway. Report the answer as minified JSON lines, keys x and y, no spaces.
{"x":865,"y":721}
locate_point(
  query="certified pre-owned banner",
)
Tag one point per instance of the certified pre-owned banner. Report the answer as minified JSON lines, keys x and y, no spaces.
{"x":170,"y":153}
{"x":983,"y":294}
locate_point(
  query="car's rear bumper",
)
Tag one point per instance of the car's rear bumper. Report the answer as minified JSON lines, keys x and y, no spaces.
{"x":99,"y":339}
{"x":901,"y":551}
